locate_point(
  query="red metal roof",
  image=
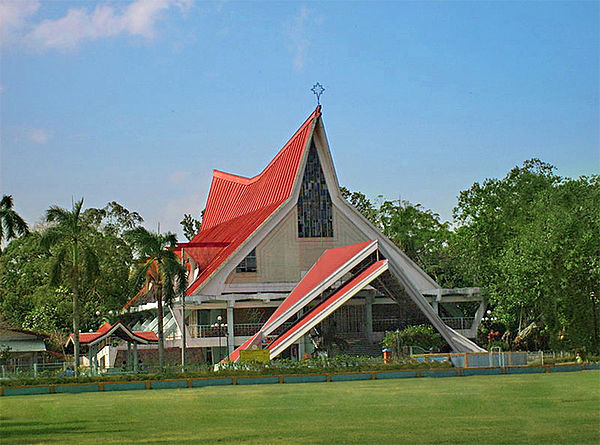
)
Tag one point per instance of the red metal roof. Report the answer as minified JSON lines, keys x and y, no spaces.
{"x":104,"y":328}
{"x":237,"y":206}
{"x":89,"y":337}
{"x":310,"y":318}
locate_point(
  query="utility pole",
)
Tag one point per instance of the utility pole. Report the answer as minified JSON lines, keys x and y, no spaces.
{"x":183,"y":346}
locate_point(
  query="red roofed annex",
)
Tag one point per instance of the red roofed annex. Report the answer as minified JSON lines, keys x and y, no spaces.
{"x":282,"y":258}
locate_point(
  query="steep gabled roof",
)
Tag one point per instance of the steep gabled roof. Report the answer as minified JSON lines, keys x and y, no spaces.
{"x":118,"y":329}
{"x":237,"y":206}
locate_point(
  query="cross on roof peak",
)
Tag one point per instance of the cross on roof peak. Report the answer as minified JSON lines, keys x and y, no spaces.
{"x":317,"y":90}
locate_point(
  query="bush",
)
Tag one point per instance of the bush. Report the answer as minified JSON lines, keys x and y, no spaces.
{"x":421,"y":335}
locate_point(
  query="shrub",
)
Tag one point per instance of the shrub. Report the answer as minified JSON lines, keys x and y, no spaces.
{"x":420,"y":335}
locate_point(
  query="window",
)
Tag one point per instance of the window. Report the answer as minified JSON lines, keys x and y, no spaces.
{"x":248,"y":264}
{"x":315,"y":212}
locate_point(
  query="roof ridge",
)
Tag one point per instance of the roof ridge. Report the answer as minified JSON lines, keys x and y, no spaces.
{"x":244,"y":180}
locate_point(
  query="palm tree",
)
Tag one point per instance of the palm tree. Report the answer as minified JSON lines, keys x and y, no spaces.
{"x":159,"y":269}
{"x":68,"y":237}
{"x":11,"y":224}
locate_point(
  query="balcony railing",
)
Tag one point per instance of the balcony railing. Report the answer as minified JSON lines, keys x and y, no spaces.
{"x":392,"y":324}
{"x":388,"y":324}
{"x":379,"y":325}
{"x":239,"y":330}
{"x":459,"y":322}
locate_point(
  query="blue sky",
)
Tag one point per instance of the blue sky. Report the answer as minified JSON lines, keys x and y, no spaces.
{"x":138,"y":101}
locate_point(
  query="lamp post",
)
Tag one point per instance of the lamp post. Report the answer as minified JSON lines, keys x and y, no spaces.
{"x":224,"y":330}
{"x":220,"y":329}
{"x":183,"y":339}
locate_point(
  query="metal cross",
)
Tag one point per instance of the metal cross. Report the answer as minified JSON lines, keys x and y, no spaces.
{"x":318,"y":89}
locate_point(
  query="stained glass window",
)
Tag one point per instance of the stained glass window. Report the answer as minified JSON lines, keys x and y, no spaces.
{"x":248,"y":264}
{"x":315,"y":212}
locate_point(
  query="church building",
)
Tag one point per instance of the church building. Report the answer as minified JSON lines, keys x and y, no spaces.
{"x":283,"y":262}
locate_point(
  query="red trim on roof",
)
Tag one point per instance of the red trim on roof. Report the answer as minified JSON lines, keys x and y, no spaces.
{"x":236,"y":206}
{"x":104,"y":328}
{"x":308,"y":319}
{"x":147,"y":335}
{"x":330,"y":262}
{"x":89,"y":337}
{"x":326,"y":265}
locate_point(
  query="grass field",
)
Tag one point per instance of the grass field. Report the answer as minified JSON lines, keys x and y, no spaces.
{"x":561,"y":408}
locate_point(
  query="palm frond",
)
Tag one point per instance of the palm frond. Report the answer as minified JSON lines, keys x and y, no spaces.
{"x":57,"y":266}
{"x":59,"y":215}
{"x":15,"y":224}
{"x":169,"y":239}
{"x":6,"y":202}
{"x":20,"y":224}
{"x":51,"y":237}
{"x":145,"y":243}
{"x":91,"y":265}
{"x":77,"y":209}
{"x":9,"y":227}
{"x":139,"y":277}
{"x":177,"y":275}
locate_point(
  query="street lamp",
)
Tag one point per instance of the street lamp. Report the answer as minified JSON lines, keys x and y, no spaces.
{"x":221,"y":328}
{"x":224,"y":330}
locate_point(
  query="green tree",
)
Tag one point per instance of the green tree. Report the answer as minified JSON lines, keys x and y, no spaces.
{"x":11,"y":224}
{"x":23,"y":268}
{"x":362,"y":204}
{"x":419,"y":232}
{"x":73,"y":258}
{"x":113,"y":219}
{"x":533,"y":240}
{"x":191,"y":226}
{"x":158,"y":270}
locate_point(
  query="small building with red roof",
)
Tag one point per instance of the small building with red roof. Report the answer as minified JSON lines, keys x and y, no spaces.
{"x":101,"y":348}
{"x":282,"y":258}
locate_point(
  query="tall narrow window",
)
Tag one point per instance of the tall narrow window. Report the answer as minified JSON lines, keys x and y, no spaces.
{"x":315,"y":212}
{"x":248,"y":264}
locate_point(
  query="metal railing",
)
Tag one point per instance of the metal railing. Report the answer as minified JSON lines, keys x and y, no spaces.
{"x":459,"y":322}
{"x":388,"y":324}
{"x":392,"y":324}
{"x":34,"y":369}
{"x":239,"y":330}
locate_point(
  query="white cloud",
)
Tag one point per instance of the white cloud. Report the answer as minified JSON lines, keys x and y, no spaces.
{"x":37,"y":135}
{"x":79,"y":25}
{"x":298,"y":38}
{"x":14,"y":16}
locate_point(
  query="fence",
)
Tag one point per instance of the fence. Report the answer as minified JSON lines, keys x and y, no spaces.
{"x":34,"y":370}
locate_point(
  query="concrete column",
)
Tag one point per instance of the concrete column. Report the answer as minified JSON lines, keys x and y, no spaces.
{"x":230,"y":322}
{"x":369,"y":317}
{"x":436,"y":302}
{"x":301,"y":347}
{"x":135,"y":358}
{"x":128,"y":363}
{"x":90,"y":358}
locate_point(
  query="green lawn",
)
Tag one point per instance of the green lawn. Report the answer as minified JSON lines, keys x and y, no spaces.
{"x":559,"y":408}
